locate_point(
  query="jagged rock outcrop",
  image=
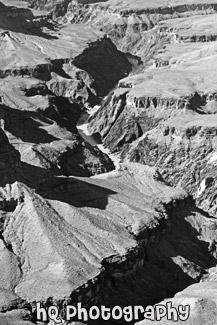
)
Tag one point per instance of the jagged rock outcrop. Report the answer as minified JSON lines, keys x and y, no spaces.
{"x":80,"y":86}
{"x":125,"y":237}
{"x":129,"y":32}
{"x":55,"y":7}
{"x":48,"y":139}
{"x":63,"y":251}
{"x":185,"y":153}
{"x":180,"y":80}
{"x":29,"y":55}
{"x":130,"y":26}
{"x":34,"y":82}
{"x":191,"y":29}
{"x":68,"y":258}
{"x":141,"y":101}
{"x":16,"y":16}
{"x":202,"y":301}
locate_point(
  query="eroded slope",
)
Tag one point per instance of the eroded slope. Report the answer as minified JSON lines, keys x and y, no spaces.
{"x":178,"y":87}
{"x":85,"y":238}
{"x":106,"y":239}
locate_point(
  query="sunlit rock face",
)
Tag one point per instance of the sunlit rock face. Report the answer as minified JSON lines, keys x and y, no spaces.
{"x":163,"y":116}
{"x":45,"y":91}
{"x":201,"y":299}
{"x":138,"y":27}
{"x":184,"y":150}
{"x":72,"y":227}
{"x":82,"y":235}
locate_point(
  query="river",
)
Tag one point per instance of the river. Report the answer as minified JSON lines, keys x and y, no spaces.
{"x":83,"y":131}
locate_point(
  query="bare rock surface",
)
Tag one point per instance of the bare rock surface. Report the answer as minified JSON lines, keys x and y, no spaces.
{"x":202,"y":301}
{"x":16,"y":317}
{"x":133,"y":26}
{"x":37,"y":112}
{"x":35,"y":127}
{"x":73,"y":229}
{"x":184,"y":150}
{"x":174,"y":98}
{"x":183,"y":86}
{"x":72,"y":256}
{"x":90,"y":233}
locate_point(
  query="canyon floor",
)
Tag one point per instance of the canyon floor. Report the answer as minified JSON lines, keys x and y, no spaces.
{"x":108,"y":157}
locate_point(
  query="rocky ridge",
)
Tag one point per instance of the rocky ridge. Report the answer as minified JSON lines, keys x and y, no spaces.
{"x":134,"y":27}
{"x":67,"y":237}
{"x":50,"y":89}
{"x":128,"y":245}
{"x":177,"y":87}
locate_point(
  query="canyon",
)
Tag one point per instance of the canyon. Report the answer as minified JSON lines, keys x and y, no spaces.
{"x":108,"y":156}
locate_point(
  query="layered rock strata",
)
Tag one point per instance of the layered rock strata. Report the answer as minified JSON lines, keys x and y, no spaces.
{"x":117,"y":235}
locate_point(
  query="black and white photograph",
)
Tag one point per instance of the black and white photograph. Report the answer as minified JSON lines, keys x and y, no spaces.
{"x":108,"y":162}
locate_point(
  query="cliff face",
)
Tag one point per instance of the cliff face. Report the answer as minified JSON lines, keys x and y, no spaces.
{"x":184,"y":151}
{"x":141,"y":101}
{"x":105,"y":64}
{"x":57,"y":7}
{"x":43,"y":128}
{"x":202,"y":301}
{"x":134,"y":27}
{"x":129,"y":32}
{"x":50,"y":88}
{"x":39,"y":140}
{"x":178,"y":81}
{"x":126,"y":237}
{"x":154,"y":117}
{"x":165,"y":117}
{"x":31,"y":55}
{"x":134,"y":241}
{"x":11,"y":11}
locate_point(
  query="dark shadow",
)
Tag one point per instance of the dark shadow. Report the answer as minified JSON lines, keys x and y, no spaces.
{"x":64,"y":112}
{"x":21,"y":20}
{"x":78,"y":159}
{"x":37,"y":31}
{"x":32,"y":175}
{"x":197,"y":103}
{"x":107,"y":65}
{"x":40,"y":89}
{"x":27,"y":125}
{"x":67,"y":113}
{"x":204,"y":213}
{"x":161,"y":277}
{"x":75,"y":191}
{"x":57,"y":67}
{"x":27,"y":174}
{"x":186,"y":238}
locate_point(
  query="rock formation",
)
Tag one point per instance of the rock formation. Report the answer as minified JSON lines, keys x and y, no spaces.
{"x":72,"y":227}
{"x":202,"y":301}
{"x":129,"y":241}
{"x":50,"y":139}
{"x":162,"y":116}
